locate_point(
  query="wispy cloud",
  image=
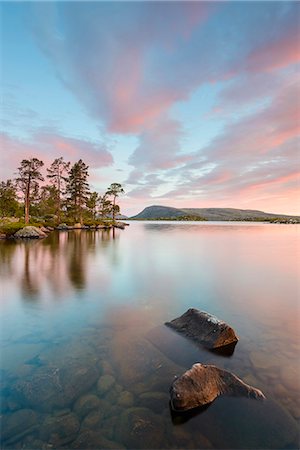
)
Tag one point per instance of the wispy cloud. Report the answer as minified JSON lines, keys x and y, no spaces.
{"x":48,"y":146}
{"x":131,"y":64}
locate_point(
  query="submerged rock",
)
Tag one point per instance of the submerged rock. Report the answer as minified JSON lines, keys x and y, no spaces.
{"x":93,"y":420}
{"x":94,"y":440}
{"x":60,"y":430}
{"x":105,"y":383}
{"x":204,"y":328}
{"x":140,"y":365}
{"x":202,"y":384}
{"x":12,"y":425}
{"x":30,"y":233}
{"x":156,"y":401}
{"x":126,"y":399}
{"x":85,"y":404}
{"x":49,"y":387}
{"x":140,"y":428}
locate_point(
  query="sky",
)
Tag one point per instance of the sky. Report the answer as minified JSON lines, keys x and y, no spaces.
{"x":186,"y":104}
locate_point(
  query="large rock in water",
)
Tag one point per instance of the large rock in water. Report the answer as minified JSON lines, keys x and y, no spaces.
{"x":204,"y":328}
{"x":202,"y":384}
{"x":30,"y":233}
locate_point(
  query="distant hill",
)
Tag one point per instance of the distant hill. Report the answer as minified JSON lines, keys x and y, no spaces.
{"x":168,"y":213}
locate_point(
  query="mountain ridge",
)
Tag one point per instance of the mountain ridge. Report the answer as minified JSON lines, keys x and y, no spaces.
{"x":159,"y":212}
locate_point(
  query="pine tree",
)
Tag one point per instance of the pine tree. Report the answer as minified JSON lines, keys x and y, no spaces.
{"x":114,"y":190}
{"x":47,"y":204}
{"x":78,"y":189}
{"x":8,"y":199}
{"x":57,"y":173}
{"x":28,"y":181}
{"x":92,"y":203}
{"x":105,"y":206}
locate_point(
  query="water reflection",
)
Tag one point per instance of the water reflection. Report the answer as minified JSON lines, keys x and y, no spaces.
{"x":85,"y":355}
{"x":29,"y":282}
{"x":59,"y":262}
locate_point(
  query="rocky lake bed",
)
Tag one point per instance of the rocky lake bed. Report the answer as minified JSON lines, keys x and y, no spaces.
{"x":87,"y":362}
{"x":110,"y":389}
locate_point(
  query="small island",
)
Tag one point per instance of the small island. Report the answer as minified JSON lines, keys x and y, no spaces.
{"x":30,"y":208}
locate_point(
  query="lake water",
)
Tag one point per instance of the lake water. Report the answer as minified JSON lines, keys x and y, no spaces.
{"x":86,"y":361}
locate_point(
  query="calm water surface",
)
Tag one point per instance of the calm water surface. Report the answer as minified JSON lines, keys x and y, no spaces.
{"x":86,"y":361}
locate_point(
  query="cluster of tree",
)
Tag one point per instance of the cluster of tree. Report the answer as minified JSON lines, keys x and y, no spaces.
{"x":68,"y":193}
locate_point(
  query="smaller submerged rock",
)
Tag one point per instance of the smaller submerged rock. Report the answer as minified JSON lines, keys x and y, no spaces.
{"x":202,"y":384}
{"x":85,"y":404}
{"x":105,"y":383}
{"x":204,"y":328}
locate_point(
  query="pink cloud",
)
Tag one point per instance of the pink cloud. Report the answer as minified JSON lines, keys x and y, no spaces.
{"x":159,"y":146}
{"x":47,"y":147}
{"x":279,"y":53}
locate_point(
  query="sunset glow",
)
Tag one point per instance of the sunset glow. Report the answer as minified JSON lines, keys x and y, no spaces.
{"x":186,"y":104}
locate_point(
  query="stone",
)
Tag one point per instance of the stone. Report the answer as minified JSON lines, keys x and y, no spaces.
{"x":114,"y":411}
{"x":118,"y":388}
{"x":93,"y":420}
{"x":204,"y":328}
{"x":29,"y":232}
{"x":85,"y":404}
{"x":60,"y":430}
{"x":202,"y":384}
{"x":91,"y":440}
{"x":112,"y":396}
{"x":49,"y":387}
{"x":183,"y":438}
{"x":77,"y":226}
{"x":2,"y":236}
{"x":119,"y":225}
{"x":140,"y":428}
{"x":105,"y":383}
{"x":126,"y":399}
{"x":106,"y":368}
{"x":140,"y":365}
{"x":156,"y":401}
{"x":62,"y":226}
{"x":17,"y":422}
{"x":45,"y":230}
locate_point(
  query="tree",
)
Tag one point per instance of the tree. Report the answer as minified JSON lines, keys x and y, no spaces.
{"x":92,"y":203}
{"x":47,"y":204}
{"x":114,"y":190}
{"x":28,"y":181}
{"x":78,"y":188}
{"x":8,"y":199}
{"x":105,"y":206}
{"x":57,"y":173}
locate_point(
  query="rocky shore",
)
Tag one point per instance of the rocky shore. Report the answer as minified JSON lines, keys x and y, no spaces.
{"x":34,"y":232}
